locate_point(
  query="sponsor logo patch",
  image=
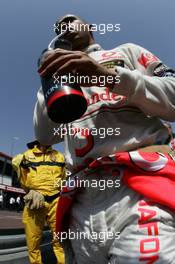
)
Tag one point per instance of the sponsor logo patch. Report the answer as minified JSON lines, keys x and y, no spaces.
{"x":163,"y":71}
{"x":112,"y":64}
{"x":147,"y":58}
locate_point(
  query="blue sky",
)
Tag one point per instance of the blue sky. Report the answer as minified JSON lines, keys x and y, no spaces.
{"x":26,"y":28}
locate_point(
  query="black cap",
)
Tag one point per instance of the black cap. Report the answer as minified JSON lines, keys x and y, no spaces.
{"x":31,"y":144}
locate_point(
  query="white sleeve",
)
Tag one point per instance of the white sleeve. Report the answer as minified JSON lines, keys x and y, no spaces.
{"x":153,"y":91}
{"x":46,"y":131}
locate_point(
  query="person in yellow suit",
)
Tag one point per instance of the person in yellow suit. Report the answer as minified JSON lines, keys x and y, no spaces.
{"x":40,"y":170}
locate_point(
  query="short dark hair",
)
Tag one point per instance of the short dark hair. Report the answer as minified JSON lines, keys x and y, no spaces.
{"x":33,"y":143}
{"x":68,"y":17}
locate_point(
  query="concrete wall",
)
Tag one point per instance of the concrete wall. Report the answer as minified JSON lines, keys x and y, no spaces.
{"x":13,"y":249}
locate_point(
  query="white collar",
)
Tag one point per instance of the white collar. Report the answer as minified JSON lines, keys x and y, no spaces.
{"x":92,"y":48}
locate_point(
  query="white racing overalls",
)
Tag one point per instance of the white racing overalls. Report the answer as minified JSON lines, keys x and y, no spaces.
{"x":121,"y":119}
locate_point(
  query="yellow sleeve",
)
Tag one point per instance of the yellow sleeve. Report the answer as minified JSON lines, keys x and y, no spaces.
{"x":16,"y":161}
{"x":21,"y":172}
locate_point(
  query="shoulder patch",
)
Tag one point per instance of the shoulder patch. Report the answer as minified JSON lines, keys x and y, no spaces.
{"x":162,"y":70}
{"x":147,"y":58}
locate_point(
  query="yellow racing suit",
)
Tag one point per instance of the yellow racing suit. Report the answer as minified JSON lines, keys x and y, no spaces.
{"x":41,"y":172}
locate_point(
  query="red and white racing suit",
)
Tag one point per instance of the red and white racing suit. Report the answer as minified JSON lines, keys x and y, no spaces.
{"x":121,"y":119}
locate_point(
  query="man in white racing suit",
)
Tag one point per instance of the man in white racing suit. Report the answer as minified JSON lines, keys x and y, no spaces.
{"x":120,"y":224}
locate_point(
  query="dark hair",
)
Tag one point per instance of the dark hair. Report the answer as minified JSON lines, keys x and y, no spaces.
{"x":31,"y":144}
{"x":60,"y":20}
